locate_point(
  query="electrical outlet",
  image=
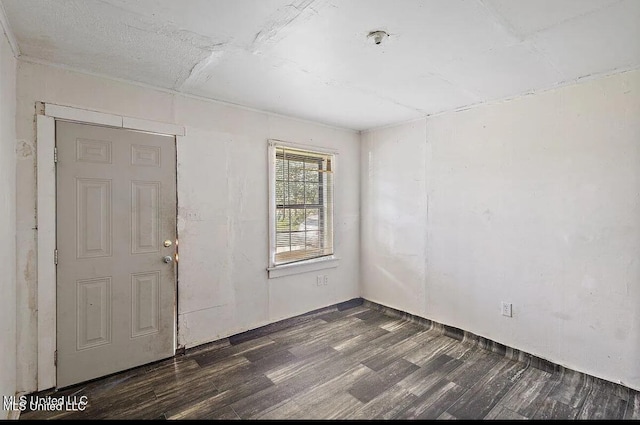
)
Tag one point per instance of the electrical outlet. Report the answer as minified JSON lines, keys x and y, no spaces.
{"x":325,"y":280}
{"x":506,"y":309}
{"x":319,"y":280}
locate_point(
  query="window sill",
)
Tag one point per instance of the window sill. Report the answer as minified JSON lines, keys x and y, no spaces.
{"x":303,"y":267}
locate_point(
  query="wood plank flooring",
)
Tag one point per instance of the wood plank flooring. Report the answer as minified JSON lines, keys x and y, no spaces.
{"x":352,"y":363}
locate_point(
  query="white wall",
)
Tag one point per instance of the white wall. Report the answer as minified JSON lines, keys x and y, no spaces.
{"x":393,"y":221}
{"x":222,"y":201}
{"x":7,"y":221}
{"x":534,"y":201}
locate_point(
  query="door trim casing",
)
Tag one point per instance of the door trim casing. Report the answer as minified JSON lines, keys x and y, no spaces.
{"x":47,"y":114}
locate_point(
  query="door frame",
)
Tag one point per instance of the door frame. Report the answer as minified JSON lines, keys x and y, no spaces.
{"x":46,"y":116}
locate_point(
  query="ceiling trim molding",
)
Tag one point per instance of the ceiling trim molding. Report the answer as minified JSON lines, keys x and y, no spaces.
{"x":4,"y":23}
{"x":43,"y":62}
{"x":560,"y":85}
{"x":556,"y":86}
{"x":422,"y":117}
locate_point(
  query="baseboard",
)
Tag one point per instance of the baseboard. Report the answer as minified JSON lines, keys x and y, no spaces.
{"x":450,"y":331}
{"x":468,"y":337}
{"x":277,"y":326}
{"x":292,"y":321}
{"x":482,"y":342}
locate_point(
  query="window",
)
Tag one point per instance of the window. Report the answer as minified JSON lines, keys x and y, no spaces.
{"x":301,"y":188}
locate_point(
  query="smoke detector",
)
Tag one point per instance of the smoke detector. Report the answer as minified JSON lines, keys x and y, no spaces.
{"x":378,"y":36}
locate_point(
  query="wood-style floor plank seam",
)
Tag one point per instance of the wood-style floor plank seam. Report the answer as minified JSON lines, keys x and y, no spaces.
{"x":361,"y":361}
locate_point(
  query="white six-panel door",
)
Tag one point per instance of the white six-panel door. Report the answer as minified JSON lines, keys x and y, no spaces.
{"x":116,"y":241}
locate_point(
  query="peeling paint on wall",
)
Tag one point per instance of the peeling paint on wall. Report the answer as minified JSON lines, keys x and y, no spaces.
{"x":25,"y":149}
{"x":29,"y":274}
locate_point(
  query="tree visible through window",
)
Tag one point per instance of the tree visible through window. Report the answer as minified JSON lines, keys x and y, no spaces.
{"x":302,"y":182}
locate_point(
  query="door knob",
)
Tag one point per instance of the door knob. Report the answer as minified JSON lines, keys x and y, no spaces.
{"x":167,"y":259}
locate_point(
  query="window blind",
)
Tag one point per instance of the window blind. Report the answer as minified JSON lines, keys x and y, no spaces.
{"x":303,"y":205}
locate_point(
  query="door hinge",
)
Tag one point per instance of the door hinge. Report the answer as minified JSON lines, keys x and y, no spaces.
{"x":55,"y":155}
{"x":55,"y":257}
{"x":55,"y":358}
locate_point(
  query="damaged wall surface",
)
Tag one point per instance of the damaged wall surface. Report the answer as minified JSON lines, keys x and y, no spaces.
{"x":7,"y":220}
{"x":534,"y":202}
{"x":222,"y":207}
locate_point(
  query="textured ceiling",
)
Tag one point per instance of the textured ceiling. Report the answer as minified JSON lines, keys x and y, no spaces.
{"x":312,"y":58}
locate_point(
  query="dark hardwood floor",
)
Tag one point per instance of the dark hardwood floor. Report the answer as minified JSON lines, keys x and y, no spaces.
{"x":356,"y":363}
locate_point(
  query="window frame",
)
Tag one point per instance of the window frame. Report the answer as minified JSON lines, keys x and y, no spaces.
{"x":314,"y":263}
